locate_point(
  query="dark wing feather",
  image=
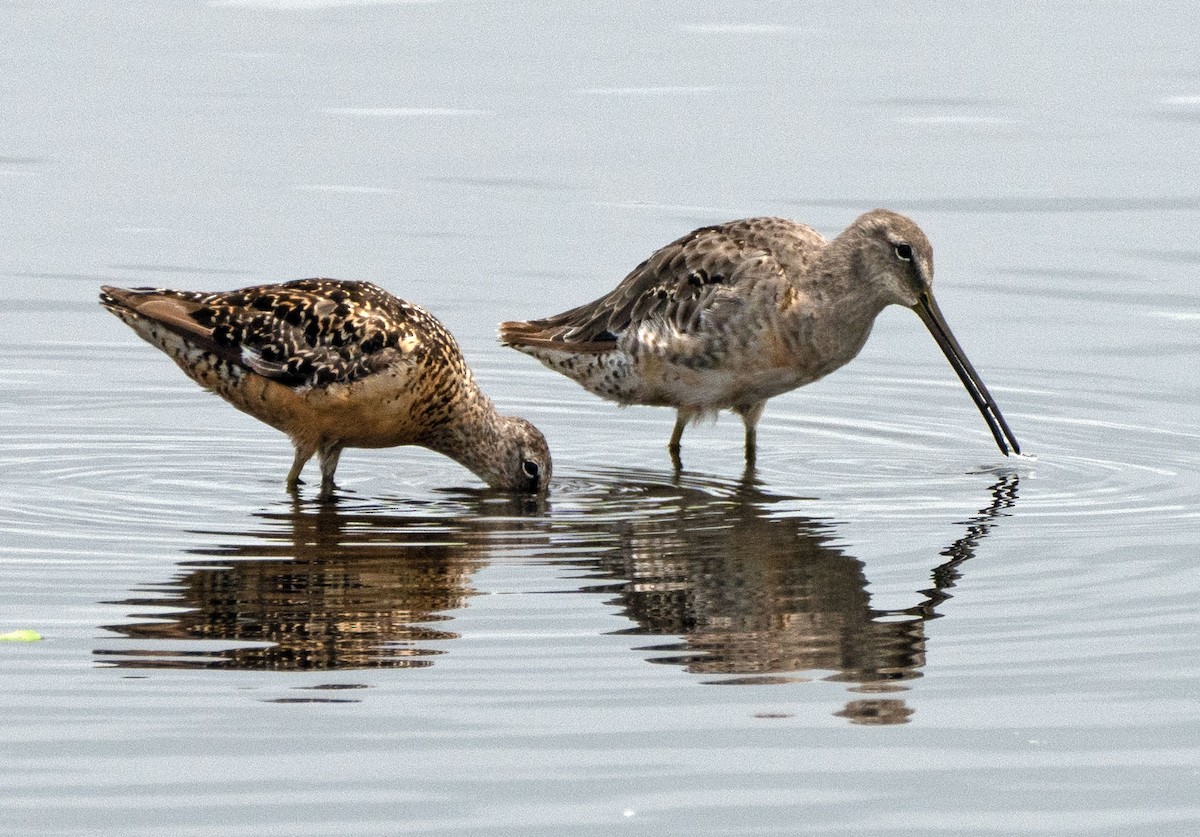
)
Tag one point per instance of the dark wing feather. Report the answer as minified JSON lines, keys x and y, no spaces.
{"x":305,"y":333}
{"x":692,"y":280}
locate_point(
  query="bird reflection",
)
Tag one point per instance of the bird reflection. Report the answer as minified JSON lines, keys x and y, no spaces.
{"x":765,"y":598}
{"x":322,"y":586}
{"x":746,"y":589}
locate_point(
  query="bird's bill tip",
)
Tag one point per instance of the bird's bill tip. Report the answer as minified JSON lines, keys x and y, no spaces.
{"x":927,"y":309}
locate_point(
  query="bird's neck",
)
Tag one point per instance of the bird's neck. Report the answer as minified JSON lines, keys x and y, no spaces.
{"x":834,"y":308}
{"x":475,"y":438}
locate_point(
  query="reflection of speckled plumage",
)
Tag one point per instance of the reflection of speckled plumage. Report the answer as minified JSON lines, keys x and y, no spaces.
{"x":337,"y":364}
{"x":729,"y":316}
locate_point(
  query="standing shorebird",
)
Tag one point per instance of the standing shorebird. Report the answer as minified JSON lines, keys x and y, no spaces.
{"x":334,"y":365}
{"x":731,"y":315}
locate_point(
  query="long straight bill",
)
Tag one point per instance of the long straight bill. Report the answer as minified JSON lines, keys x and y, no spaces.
{"x":931,"y":315}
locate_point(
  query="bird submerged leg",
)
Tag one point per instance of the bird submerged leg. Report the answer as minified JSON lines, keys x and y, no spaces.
{"x":683,"y":416}
{"x":303,"y":454}
{"x":328,"y":455}
{"x":750,"y":415}
{"x":681,"y":421}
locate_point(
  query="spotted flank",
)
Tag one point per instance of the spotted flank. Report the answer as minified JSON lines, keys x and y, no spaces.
{"x":337,"y":364}
{"x":731,"y":315}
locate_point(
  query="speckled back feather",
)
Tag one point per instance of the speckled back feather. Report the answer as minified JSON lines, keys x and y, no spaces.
{"x":308,"y":332}
{"x":697,"y":280}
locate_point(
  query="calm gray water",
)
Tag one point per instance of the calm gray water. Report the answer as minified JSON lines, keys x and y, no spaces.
{"x":887,"y":628}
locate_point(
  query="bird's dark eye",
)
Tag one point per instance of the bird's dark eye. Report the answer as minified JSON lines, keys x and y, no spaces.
{"x":530,"y":468}
{"x":904,"y":252}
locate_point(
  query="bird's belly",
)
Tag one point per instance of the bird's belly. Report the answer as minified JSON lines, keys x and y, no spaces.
{"x":377,"y":412}
{"x":720,"y":387}
{"x":742,"y":375}
{"x":366,"y":414}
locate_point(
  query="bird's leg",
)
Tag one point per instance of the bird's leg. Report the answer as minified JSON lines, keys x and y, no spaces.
{"x":676,"y":461}
{"x":303,"y":454}
{"x":677,"y":436}
{"x":682,"y":417}
{"x":750,"y":415}
{"x":329,"y":454}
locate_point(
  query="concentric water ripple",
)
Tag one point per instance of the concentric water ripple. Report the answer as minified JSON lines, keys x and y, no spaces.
{"x":135,"y":453}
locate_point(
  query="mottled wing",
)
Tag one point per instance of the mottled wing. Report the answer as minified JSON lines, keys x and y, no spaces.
{"x":700,"y":281}
{"x":305,"y":333}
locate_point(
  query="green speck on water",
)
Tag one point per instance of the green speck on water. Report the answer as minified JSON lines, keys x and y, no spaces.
{"x":20,"y":636}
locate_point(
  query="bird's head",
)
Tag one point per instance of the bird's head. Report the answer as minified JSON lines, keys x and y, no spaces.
{"x":898,"y":257}
{"x":522,"y":463}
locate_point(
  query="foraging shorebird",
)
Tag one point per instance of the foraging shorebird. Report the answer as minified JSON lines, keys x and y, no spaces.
{"x":338,"y":364}
{"x":731,"y":315}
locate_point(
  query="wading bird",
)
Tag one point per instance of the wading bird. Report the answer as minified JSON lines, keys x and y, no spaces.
{"x":731,"y":315}
{"x":337,"y":364}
